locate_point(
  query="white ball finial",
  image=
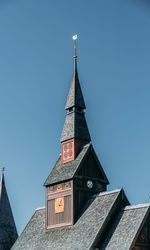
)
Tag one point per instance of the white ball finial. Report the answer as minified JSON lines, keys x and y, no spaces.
{"x":75,"y":37}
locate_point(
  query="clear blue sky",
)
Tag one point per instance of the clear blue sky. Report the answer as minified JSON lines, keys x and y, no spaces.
{"x":36,"y":67}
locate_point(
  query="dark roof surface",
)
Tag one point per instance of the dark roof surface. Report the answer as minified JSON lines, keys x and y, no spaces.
{"x":75,"y":127}
{"x":75,"y":97}
{"x":8,"y":232}
{"x":125,"y":227}
{"x":79,"y":236}
{"x":66,"y":171}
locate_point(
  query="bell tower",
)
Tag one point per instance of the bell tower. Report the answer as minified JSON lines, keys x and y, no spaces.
{"x":77,"y":173}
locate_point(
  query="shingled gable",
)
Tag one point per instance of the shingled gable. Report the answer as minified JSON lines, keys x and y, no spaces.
{"x":62,"y":172}
{"x":8,"y":232}
{"x":94,"y":217}
{"x":127,"y":227}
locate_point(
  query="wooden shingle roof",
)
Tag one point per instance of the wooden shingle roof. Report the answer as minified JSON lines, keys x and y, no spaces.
{"x":126,"y":227}
{"x":81,"y":235}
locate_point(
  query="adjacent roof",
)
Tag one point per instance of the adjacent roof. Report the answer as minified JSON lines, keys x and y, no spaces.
{"x":75,"y":127}
{"x":79,"y":236}
{"x":8,"y":232}
{"x":125,"y":227}
{"x":66,"y":171}
{"x":75,"y":97}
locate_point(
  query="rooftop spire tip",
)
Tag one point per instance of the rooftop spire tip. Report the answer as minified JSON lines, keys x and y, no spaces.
{"x":74,"y":37}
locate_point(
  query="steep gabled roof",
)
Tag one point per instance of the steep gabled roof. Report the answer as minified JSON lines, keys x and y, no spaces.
{"x":8,"y":232}
{"x":66,"y":171}
{"x":126,"y":227}
{"x":81,"y":235}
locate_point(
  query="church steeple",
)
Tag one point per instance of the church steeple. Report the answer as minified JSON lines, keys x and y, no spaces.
{"x":8,"y":232}
{"x":75,"y":132}
{"x":77,"y":173}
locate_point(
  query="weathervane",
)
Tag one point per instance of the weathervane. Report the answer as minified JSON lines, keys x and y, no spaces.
{"x":2,"y":169}
{"x":75,"y":38}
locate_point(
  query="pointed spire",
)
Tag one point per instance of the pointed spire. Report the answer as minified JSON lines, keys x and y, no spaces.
{"x":75,"y":97}
{"x":75,"y":55}
{"x":75,"y":124}
{"x":8,"y":232}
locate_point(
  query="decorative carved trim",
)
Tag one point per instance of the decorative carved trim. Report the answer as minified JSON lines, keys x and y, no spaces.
{"x":68,"y":151}
{"x":56,"y":195}
{"x":59,"y":188}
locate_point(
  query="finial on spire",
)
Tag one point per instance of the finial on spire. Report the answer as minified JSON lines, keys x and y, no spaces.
{"x":75,"y":38}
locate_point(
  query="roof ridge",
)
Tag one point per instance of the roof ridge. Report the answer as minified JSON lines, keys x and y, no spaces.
{"x":86,"y":145}
{"x":39,"y":208}
{"x":106,"y":192}
{"x":136,"y":206}
{"x":110,"y":212}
